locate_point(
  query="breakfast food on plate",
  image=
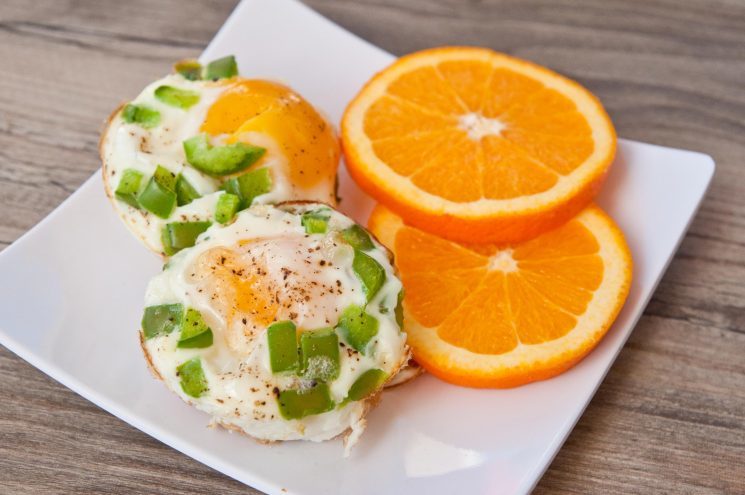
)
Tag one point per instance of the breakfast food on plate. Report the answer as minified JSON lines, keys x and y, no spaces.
{"x":200,"y":144}
{"x":285,"y":319}
{"x":477,"y":146}
{"x":283,"y":324}
{"x":484,"y":315}
{"x":407,"y":373}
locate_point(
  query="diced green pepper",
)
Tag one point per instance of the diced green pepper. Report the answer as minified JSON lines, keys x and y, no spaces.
{"x":165,"y":177}
{"x":366,"y":384}
{"x":357,"y":327}
{"x":220,"y":160}
{"x":320,"y":354}
{"x":221,"y":68}
{"x":227,"y":207}
{"x":177,"y":97}
{"x":161,"y":320}
{"x":159,"y":195}
{"x":370,"y":273}
{"x":282,"y":342}
{"x":142,"y":115}
{"x":195,"y":334}
{"x":190,"y":69}
{"x":358,"y":238}
{"x":185,"y":192}
{"x":297,"y":404}
{"x":179,"y":235}
{"x":129,"y":186}
{"x":315,"y":222}
{"x":249,"y":185}
{"x":399,"y":311}
{"x":193,"y":381}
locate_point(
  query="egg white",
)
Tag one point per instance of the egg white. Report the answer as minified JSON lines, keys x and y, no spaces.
{"x":129,"y":146}
{"x":239,"y":377}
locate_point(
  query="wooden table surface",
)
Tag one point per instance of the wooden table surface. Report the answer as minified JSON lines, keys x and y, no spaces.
{"x":670,"y":416}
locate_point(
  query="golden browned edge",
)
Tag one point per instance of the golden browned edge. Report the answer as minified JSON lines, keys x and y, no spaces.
{"x":293,"y":202}
{"x":104,"y":132}
{"x":408,"y":372}
{"x":148,"y":358}
{"x":107,"y":185}
{"x":300,"y":202}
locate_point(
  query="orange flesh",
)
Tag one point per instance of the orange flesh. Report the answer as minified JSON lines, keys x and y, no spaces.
{"x":305,"y":138}
{"x":488,"y":299}
{"x":417,"y":129}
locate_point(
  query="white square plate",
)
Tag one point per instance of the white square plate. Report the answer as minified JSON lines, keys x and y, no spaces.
{"x":72,"y":290}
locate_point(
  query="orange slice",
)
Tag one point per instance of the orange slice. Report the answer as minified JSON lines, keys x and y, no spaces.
{"x":477,"y":146}
{"x":484,"y":316}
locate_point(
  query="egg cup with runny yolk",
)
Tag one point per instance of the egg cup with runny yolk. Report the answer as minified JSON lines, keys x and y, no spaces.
{"x":284,"y":324}
{"x":190,"y":152}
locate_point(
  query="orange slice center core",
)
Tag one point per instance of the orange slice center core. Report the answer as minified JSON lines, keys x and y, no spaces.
{"x":503,"y":261}
{"x":476,"y":126}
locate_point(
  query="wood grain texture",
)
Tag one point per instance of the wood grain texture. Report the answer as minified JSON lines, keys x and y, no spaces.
{"x":670,"y":416}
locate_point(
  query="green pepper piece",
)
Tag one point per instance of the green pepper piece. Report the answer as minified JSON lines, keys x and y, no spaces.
{"x":249,"y":185}
{"x":315,"y":222}
{"x":221,"y":68}
{"x":177,"y":97}
{"x":128,"y":187}
{"x":161,"y":320}
{"x":165,"y":177}
{"x":159,"y":195}
{"x":320,"y":354}
{"x":370,"y":273}
{"x":357,"y":237}
{"x":399,"y":311}
{"x":195,"y":334}
{"x":193,"y":381}
{"x":227,"y":207}
{"x":190,"y":69}
{"x":157,"y":199}
{"x":297,"y":404}
{"x":366,"y":384}
{"x":357,"y":327}
{"x":282,"y":342}
{"x":142,"y":115}
{"x":185,"y":192}
{"x":220,"y":160}
{"x":179,"y":235}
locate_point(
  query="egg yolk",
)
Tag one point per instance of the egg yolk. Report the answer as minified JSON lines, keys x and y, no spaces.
{"x":260,"y":281}
{"x":306,"y":139}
